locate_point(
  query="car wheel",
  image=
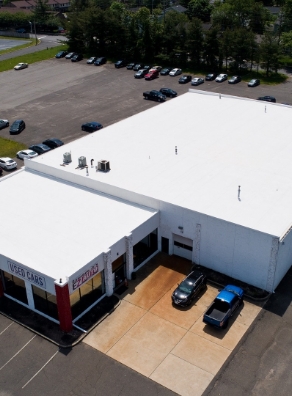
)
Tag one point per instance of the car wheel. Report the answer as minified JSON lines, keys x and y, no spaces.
{"x":171,"y":96}
{"x":159,"y":100}
{"x":225,"y":324}
{"x":146,"y":97}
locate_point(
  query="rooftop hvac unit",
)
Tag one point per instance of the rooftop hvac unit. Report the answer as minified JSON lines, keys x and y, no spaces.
{"x":67,"y":158}
{"x":81,"y":162}
{"x":104,"y":166}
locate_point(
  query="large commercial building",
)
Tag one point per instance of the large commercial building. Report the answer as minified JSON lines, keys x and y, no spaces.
{"x":203,"y":176}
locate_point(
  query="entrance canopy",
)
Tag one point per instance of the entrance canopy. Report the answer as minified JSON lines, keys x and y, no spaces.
{"x":55,"y":227}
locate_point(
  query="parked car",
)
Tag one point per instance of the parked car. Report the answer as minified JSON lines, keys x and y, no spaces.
{"x":138,"y":66}
{"x":175,"y":72}
{"x":61,"y":54}
{"x":210,"y":76}
{"x":189,"y":288}
{"x":168,"y":92}
{"x":165,"y":71}
{"x":120,"y":63}
{"x":154,"y":95}
{"x":40,"y":148}
{"x":224,"y":306}
{"x":221,"y":78}
{"x":147,"y":67}
{"x":254,"y":82}
{"x":141,"y":73}
{"x":152,"y":74}
{"x":158,"y":68}
{"x":184,"y":79}
{"x":91,"y":60}
{"x":17,"y":127}
{"x":267,"y":98}
{"x":21,"y":30}
{"x":7,"y":163}
{"x":53,"y":143}
{"x":234,"y":80}
{"x":26,"y":154}
{"x":100,"y":61}
{"x":77,"y":58}
{"x":91,"y":126}
{"x":4,"y":123}
{"x":70,"y":55}
{"x":197,"y":81}
{"x":21,"y":66}
{"x":130,"y":66}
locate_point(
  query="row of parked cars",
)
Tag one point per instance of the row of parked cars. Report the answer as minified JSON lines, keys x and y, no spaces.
{"x":76,"y":57}
{"x":221,"y":309}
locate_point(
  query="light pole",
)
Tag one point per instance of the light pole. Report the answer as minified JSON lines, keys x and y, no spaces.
{"x":35,"y":35}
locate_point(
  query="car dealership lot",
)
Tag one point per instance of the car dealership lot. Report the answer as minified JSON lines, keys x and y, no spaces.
{"x":170,"y":345}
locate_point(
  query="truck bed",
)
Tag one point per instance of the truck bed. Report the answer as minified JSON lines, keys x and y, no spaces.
{"x":218,"y":310}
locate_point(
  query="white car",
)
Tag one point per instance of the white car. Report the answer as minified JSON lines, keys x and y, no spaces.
{"x":20,"y":66}
{"x":221,"y":78}
{"x":26,"y":154}
{"x":3,"y":123}
{"x":7,"y":163}
{"x":175,"y":72}
{"x":156,"y":68}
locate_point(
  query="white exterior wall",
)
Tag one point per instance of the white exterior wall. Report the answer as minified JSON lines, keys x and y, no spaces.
{"x":284,"y":261}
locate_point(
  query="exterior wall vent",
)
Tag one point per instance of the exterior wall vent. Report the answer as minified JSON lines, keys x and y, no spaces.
{"x":104,"y":166}
{"x":82,"y":162}
{"x":67,"y":158}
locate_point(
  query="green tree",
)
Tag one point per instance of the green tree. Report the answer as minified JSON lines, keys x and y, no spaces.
{"x":195,"y":41}
{"x":41,"y":12}
{"x":270,"y":52}
{"x":211,"y":48}
{"x":200,"y":9}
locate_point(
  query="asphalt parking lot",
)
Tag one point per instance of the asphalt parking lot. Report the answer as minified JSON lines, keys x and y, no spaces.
{"x":55,"y":97}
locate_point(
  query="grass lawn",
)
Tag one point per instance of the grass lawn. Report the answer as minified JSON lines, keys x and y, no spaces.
{"x":9,"y":148}
{"x":9,"y":64}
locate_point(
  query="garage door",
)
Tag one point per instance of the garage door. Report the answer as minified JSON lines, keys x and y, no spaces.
{"x":182,"y":247}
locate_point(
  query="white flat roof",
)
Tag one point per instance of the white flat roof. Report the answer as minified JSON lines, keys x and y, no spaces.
{"x":221,"y":143}
{"x":56,"y":228}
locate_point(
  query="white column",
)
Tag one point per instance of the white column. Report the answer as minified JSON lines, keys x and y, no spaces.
{"x":129,"y":256}
{"x":29,"y":294}
{"x":108,"y":273}
{"x":272,"y":264}
{"x":196,"y":245}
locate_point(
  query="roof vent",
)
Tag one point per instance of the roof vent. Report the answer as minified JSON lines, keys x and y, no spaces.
{"x":104,"y":166}
{"x":81,"y":162}
{"x":67,"y":158}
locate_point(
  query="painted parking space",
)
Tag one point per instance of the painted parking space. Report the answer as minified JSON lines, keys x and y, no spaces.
{"x":166,"y":344}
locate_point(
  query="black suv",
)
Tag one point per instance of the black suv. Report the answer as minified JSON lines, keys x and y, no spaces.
{"x":53,"y":143}
{"x":100,"y":61}
{"x":17,"y":127}
{"x":189,"y":288}
{"x":77,"y":58}
{"x":120,"y":63}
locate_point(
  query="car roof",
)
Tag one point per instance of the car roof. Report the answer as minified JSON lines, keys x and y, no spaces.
{"x":5,"y":158}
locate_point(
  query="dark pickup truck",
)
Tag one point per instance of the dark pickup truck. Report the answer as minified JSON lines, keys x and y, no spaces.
{"x":154,"y":95}
{"x":223,"y":307}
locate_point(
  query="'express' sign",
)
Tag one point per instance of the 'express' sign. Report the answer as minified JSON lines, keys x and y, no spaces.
{"x":26,"y":274}
{"x":85,"y":277}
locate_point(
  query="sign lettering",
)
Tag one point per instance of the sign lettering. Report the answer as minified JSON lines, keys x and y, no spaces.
{"x":26,"y":274}
{"x":76,"y":283}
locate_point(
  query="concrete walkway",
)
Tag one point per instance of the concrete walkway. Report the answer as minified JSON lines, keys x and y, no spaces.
{"x":171,"y":346}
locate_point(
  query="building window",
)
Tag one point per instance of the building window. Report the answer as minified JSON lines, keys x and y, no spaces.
{"x":182,"y":245}
{"x":87,"y":294}
{"x":14,"y":287}
{"x":45,"y":302}
{"x":119,"y":270}
{"x":143,"y":249}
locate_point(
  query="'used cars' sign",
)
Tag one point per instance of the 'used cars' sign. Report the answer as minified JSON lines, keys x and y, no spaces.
{"x":85,"y":277}
{"x":32,"y":277}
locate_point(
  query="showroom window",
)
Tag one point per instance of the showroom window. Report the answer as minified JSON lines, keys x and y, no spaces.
{"x":143,"y":249}
{"x":14,"y":287}
{"x":87,"y":294}
{"x":45,"y":302}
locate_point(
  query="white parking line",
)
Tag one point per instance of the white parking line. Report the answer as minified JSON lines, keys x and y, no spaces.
{"x":6,"y":328}
{"x":40,"y":370}
{"x":17,"y":352}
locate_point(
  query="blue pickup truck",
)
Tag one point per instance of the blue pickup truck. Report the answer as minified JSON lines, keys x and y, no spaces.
{"x":223,"y":307}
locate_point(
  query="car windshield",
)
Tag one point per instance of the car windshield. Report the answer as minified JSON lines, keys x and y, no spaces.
{"x":185,"y":287}
{"x":10,"y":161}
{"x":30,"y":153}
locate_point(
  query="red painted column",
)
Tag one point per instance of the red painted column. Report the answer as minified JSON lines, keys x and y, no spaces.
{"x":64,"y":307}
{"x":1,"y":288}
